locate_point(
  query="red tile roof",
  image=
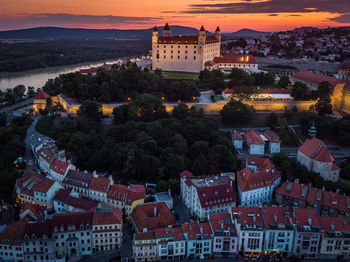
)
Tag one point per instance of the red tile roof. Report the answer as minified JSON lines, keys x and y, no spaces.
{"x":81,"y":203}
{"x":185,"y":39}
{"x":316,"y":149}
{"x":135,"y":192}
{"x":217,"y":194}
{"x":89,"y":70}
{"x":205,"y":230}
{"x":302,"y":216}
{"x":59,"y":166}
{"x":77,"y":219}
{"x":266,"y":175}
{"x":32,"y":181}
{"x":277,"y":215}
{"x":272,"y":136}
{"x":191,"y":229}
{"x":117,"y":192}
{"x":145,"y":236}
{"x":45,"y":154}
{"x":236,"y":135}
{"x":221,"y":222}
{"x":99,"y":184}
{"x":316,"y":78}
{"x":245,"y":215}
{"x":186,"y":174}
{"x":109,"y":216}
{"x":178,"y":233}
{"x":36,"y":210}
{"x":228,"y":91}
{"x":164,"y":232}
{"x":38,"y":229}
{"x":78,"y":178}
{"x":235,"y":58}
{"x":344,"y":66}
{"x":332,"y":224}
{"x":63,"y":194}
{"x":13,"y":235}
{"x":152,"y":216}
{"x":253,"y":137}
{"x":41,"y":95}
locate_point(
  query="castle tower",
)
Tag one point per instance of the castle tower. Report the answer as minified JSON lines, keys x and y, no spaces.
{"x":218,"y":34}
{"x":201,"y":36}
{"x":155,"y":35}
{"x":166,"y":30}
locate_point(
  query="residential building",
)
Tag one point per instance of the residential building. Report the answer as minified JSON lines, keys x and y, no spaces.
{"x":257,"y":181}
{"x":72,"y":233}
{"x":237,"y":139}
{"x":171,"y":243}
{"x":136,"y":195}
{"x":67,"y":200}
{"x":38,"y":244}
{"x":227,"y":62}
{"x":89,"y":71}
{"x":33,"y":188}
{"x":302,"y":195}
{"x":250,"y":228}
{"x":45,"y":154}
{"x":279,"y":230}
{"x":307,"y":232}
{"x":144,"y":247}
{"x":255,"y":143}
{"x":225,"y":240}
{"x":315,"y":156}
{"x":79,"y":181}
{"x":11,"y":241}
{"x":208,"y":195}
{"x":273,"y":141}
{"x":150,"y":216}
{"x":98,"y":188}
{"x":344,"y":70}
{"x":116,"y":196}
{"x":59,"y":169}
{"x":184,"y":53}
{"x":40,"y":101}
{"x":34,"y":211}
{"x":164,"y":197}
{"x":107,"y":228}
{"x":336,"y":237}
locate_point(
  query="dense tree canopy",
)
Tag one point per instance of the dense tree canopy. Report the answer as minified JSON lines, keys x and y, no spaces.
{"x":236,"y":112}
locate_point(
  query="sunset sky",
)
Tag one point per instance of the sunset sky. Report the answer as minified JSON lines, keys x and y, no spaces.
{"x":230,"y":15}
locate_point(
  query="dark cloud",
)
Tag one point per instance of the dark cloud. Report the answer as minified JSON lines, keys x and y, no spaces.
{"x":272,"y":6}
{"x":342,"y":19}
{"x":71,"y":20}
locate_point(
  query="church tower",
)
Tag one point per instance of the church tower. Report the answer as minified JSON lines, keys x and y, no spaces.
{"x":218,"y":34}
{"x":166,"y":30}
{"x":202,"y":36}
{"x":155,"y":35}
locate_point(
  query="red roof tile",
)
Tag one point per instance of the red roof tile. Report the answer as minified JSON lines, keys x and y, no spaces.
{"x":89,"y":70}
{"x":36,"y":210}
{"x":117,"y":192}
{"x":316,"y":78}
{"x":99,"y":184}
{"x":191,"y":229}
{"x":13,"y":235}
{"x":145,"y":236}
{"x":63,"y":194}
{"x":41,"y":95}
{"x":235,"y":58}
{"x":38,"y":229}
{"x":186,"y":174}
{"x":78,"y":178}
{"x":253,"y":137}
{"x":178,"y":233}
{"x":152,"y":216}
{"x":32,"y":181}
{"x":245,"y":215}
{"x":135,"y":192}
{"x":81,"y":203}
{"x":221,"y":222}
{"x":332,"y":224}
{"x":316,"y":149}
{"x":272,"y":136}
{"x":302,"y":216}
{"x":236,"y":135}
{"x":59,"y":166}
{"x":78,"y":219}
{"x":277,"y":215}
{"x":109,"y":216}
{"x":164,"y":232}
{"x":205,"y":230}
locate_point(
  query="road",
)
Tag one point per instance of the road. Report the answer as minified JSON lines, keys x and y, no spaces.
{"x":7,"y":109}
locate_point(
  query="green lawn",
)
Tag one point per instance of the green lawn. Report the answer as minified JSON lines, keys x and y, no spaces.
{"x":179,"y":75}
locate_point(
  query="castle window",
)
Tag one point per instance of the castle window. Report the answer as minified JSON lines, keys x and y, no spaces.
{"x":185,"y":57}
{"x":171,"y":51}
{"x":178,"y":57}
{"x":194,"y":58}
{"x":178,"y":52}
{"x":165,"y":46}
{"x":171,"y":57}
{"x":164,"y":51}
{"x":164,"y":57}
{"x":186,"y":52}
{"x":195,"y":51}
{"x":171,"y":46}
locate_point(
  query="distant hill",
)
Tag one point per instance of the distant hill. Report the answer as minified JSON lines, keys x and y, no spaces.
{"x":245,"y":33}
{"x":58,"y":33}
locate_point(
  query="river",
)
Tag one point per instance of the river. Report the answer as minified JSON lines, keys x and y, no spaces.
{"x":38,"y":77}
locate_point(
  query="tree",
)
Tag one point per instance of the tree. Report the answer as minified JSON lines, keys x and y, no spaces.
{"x":221,"y":159}
{"x":148,"y":107}
{"x":272,"y":120}
{"x":324,"y":90}
{"x":10,"y":96}
{"x":324,"y":106}
{"x":236,"y":111}
{"x":282,"y":162}
{"x":283,"y":82}
{"x":91,"y":110}
{"x":3,"y":119}
{"x":122,"y":114}
{"x":217,"y":85}
{"x":181,"y":111}
{"x":19,"y":91}
{"x":31,"y":91}
{"x":299,"y":91}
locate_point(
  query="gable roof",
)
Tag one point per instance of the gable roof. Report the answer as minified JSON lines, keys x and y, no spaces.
{"x":248,"y":216}
{"x":59,"y":166}
{"x":316,"y":149}
{"x":277,"y":217}
{"x":316,"y":78}
{"x":13,"y":235}
{"x":252,"y":137}
{"x":107,"y":216}
{"x":333,"y":224}
{"x":221,"y":222}
{"x":78,"y":178}
{"x":76,"y":219}
{"x":99,"y":184}
{"x":272,"y":136}
{"x":38,"y":229}
{"x":236,"y":135}
{"x":41,"y":95}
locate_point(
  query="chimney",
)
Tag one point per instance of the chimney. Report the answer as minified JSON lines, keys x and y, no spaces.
{"x":332,"y":226}
{"x":222,"y":225}
{"x":275,"y":217}
{"x":155,"y":211}
{"x":201,"y":229}
{"x":254,"y":219}
{"x":309,"y":220}
{"x":169,"y":192}
{"x":94,"y":174}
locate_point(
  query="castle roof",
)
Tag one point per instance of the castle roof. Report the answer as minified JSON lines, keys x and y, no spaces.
{"x":217,"y":29}
{"x":155,"y":29}
{"x":202,"y":28}
{"x":166,"y":27}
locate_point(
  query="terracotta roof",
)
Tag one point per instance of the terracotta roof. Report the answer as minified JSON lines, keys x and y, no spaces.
{"x":152,"y":216}
{"x":178,"y":233}
{"x":274,"y":216}
{"x":41,"y":95}
{"x":236,"y":135}
{"x":164,"y":232}
{"x":185,"y":39}
{"x":211,"y":63}
{"x":63,"y":194}
{"x":205,"y":230}
{"x":13,"y":235}
{"x":335,"y":167}
{"x":118,"y":192}
{"x":107,"y":216}
{"x":191,"y":229}
{"x":45,"y":154}
{"x":38,"y":229}
{"x":272,"y":136}
{"x":235,"y":59}
{"x":316,"y":149}
{"x":345,"y":66}
{"x":218,"y":194}
{"x":266,"y":175}
{"x":77,"y":219}
{"x":316,"y":78}
{"x":36,"y":210}
{"x":32,"y":181}
{"x":253,"y":137}
{"x":78,"y":178}
{"x":59,"y":166}
{"x":245,"y":215}
{"x":99,"y":184}
{"x":145,"y":236}
{"x":333,"y":224}
{"x":135,"y":192}
{"x":186,"y":174}
{"x":89,"y":70}
{"x":81,"y":203}
{"x":302,"y":216}
{"x":221,"y":222}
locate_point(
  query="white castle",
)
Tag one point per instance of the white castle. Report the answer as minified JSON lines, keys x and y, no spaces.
{"x":184,"y":53}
